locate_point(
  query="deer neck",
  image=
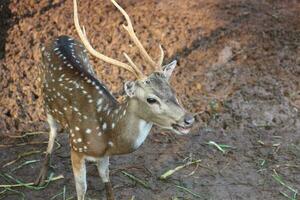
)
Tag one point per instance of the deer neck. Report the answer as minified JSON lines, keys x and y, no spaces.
{"x":131,"y":130}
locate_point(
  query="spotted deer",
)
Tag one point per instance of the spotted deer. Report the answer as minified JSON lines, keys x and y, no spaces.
{"x":98,"y":125}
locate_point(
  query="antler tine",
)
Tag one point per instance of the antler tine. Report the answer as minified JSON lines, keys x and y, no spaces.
{"x":161,"y":58}
{"x":130,"y":61}
{"x":130,"y":30}
{"x":97,"y":54}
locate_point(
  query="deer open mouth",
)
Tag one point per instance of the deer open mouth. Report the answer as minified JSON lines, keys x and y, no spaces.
{"x":181,"y":129}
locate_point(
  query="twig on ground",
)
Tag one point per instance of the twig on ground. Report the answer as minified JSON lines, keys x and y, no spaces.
{"x":29,"y":185}
{"x":132,"y":198}
{"x":13,"y":191}
{"x":58,"y":145}
{"x":172,"y":171}
{"x":220,"y":147}
{"x":63,"y":194}
{"x":20,"y":156}
{"x":279,"y":179}
{"x":28,"y":162}
{"x":26,"y":134}
{"x":21,"y":144}
{"x":144,"y":184}
{"x":189,"y":191}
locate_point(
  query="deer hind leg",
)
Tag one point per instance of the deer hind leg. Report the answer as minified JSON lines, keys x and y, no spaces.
{"x":103,"y":169}
{"x":46,"y":163}
{"x":79,"y":171}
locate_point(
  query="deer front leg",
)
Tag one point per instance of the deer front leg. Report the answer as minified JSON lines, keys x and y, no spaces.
{"x":103,"y":169}
{"x":79,"y":171}
{"x":47,"y":160}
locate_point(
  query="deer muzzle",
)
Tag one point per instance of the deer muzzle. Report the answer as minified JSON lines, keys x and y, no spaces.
{"x":185,"y":125}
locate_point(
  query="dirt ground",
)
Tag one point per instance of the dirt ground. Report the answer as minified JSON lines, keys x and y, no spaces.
{"x":239,"y":69}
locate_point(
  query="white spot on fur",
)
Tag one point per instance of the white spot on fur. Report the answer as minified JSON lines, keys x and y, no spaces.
{"x":104,"y":126}
{"x":110,"y":143}
{"x":99,"y":101}
{"x":88,"y":131}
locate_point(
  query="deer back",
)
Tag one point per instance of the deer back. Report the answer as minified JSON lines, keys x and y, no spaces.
{"x":74,"y":96}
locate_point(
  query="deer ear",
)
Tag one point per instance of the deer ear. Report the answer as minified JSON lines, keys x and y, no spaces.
{"x":129,"y":88}
{"x":168,"y":69}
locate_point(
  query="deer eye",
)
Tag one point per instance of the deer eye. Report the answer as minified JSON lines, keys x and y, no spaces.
{"x":151,"y":100}
{"x":147,"y":82}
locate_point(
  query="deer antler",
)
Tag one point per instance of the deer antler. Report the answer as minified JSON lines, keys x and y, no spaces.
{"x":82,"y":34}
{"x":161,"y":58}
{"x":130,"y":30}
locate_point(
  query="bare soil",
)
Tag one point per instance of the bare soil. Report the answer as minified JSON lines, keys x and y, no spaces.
{"x":239,"y":69}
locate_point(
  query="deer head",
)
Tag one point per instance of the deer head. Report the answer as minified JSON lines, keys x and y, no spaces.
{"x":157,"y":101}
{"x":152,"y":96}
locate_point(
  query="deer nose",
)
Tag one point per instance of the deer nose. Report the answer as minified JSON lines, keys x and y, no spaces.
{"x":189,"y":120}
